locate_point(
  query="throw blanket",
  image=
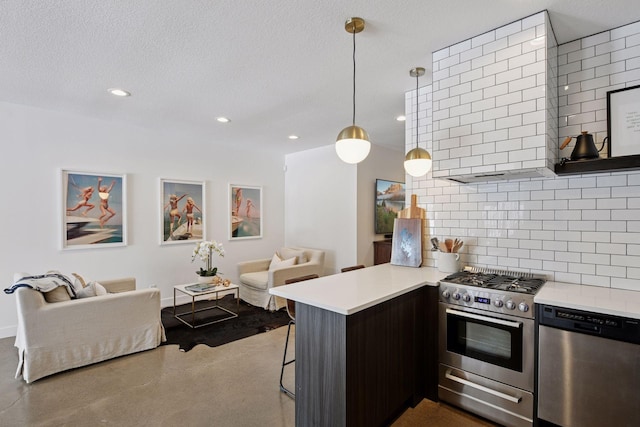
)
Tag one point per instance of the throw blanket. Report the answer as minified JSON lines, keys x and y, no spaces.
{"x":43,"y":283}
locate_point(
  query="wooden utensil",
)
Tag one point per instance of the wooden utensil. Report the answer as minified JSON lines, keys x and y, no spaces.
{"x":457,"y":245}
{"x":449,"y":244}
{"x":442,"y":247}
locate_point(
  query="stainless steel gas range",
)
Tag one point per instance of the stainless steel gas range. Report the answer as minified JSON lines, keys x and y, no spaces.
{"x":486,"y":343}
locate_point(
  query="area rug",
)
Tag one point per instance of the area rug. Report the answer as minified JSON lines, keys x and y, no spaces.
{"x":250,"y":321}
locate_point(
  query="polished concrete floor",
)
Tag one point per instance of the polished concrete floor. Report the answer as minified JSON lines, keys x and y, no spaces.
{"x":231,"y":385}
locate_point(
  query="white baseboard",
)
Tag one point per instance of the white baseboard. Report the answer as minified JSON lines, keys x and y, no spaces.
{"x":8,"y":331}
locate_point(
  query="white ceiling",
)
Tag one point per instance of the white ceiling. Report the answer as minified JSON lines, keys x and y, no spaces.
{"x":274,"y":67}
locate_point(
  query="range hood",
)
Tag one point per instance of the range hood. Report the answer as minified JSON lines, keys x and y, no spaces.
{"x":495,"y":104}
{"x":502,"y":176}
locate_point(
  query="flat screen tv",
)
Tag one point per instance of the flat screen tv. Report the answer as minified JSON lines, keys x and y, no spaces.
{"x":389,"y":201}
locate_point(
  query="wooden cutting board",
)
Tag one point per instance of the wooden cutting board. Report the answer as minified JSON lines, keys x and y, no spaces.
{"x":413,"y":211}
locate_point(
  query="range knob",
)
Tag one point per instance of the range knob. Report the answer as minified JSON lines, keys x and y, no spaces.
{"x":466,"y":297}
{"x":456,"y":295}
{"x":511,"y":305}
{"x":446,"y":294}
{"x":498,"y":303}
{"x":523,"y":307}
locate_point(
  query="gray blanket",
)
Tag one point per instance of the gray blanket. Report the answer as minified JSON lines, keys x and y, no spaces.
{"x":43,"y":283}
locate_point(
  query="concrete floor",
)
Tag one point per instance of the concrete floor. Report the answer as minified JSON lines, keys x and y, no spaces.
{"x":231,"y":385}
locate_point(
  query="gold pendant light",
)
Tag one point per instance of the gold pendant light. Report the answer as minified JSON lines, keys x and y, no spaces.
{"x":352,"y":144}
{"x":417,"y":162}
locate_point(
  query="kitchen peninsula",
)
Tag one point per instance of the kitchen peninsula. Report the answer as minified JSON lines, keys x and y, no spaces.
{"x":365,"y":344}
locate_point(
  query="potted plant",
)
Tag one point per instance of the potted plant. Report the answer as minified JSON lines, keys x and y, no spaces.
{"x":205,"y":250}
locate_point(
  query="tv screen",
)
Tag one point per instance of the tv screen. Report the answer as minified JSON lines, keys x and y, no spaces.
{"x":389,"y":201}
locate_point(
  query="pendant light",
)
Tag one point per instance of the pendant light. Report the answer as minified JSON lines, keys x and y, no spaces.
{"x":352,"y":144}
{"x":417,"y":162}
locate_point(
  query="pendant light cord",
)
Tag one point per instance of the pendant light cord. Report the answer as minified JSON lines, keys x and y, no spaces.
{"x":354,"y":75}
{"x":417,"y":77}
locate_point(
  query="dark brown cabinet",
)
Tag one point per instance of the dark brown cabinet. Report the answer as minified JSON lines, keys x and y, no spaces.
{"x":381,"y":251}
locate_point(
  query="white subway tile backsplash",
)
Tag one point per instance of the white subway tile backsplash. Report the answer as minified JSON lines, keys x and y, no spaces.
{"x":617,"y":67}
{"x":595,"y":83}
{"x":468,"y":55}
{"x":627,"y":76}
{"x":581,"y":54}
{"x":460,"y":47}
{"x":521,"y":84}
{"x":596,"y":39}
{"x":581,"y":229}
{"x":494,"y":46}
{"x":522,"y":60}
{"x":508,"y":52}
{"x":440,"y":54}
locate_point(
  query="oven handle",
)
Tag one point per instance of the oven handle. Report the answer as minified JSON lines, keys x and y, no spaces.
{"x":462,"y":381}
{"x":483,"y":318}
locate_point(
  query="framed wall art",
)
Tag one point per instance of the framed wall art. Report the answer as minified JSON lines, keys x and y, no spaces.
{"x":623,"y":121}
{"x":94,"y":210}
{"x":245,"y":212}
{"x":182,"y":211}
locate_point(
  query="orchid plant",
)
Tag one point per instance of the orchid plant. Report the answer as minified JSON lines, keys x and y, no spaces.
{"x":205,"y":250}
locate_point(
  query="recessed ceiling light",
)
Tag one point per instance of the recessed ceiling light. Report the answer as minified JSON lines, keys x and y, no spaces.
{"x":401,"y":118}
{"x":293,"y":137}
{"x":566,"y":87}
{"x":223,"y":119}
{"x":119,"y":92}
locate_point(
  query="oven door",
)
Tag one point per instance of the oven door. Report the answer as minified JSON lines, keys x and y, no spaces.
{"x":496,"y":346}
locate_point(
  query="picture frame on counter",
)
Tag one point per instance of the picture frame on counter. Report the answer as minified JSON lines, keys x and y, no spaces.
{"x":623,"y":121}
{"x":182,"y":211}
{"x":94,"y":209}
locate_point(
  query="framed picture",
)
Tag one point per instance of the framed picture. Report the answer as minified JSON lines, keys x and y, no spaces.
{"x":623,"y":121}
{"x":406,"y":246}
{"x":245,"y":212}
{"x":182,"y":211}
{"x":94,"y":211}
{"x":389,"y":201}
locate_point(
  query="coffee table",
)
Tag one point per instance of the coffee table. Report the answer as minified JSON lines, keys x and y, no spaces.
{"x":214,"y":291}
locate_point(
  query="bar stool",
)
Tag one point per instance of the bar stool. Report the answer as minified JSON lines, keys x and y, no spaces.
{"x":291,"y":311}
{"x":353,"y":267}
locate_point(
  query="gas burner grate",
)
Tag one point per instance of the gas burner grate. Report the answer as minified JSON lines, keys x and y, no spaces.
{"x":521,"y":282}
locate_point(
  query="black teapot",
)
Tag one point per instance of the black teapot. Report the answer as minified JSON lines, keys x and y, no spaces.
{"x":585,"y":147}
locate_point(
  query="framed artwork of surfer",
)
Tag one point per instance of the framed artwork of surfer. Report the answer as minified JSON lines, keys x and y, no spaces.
{"x":94,"y":211}
{"x":245,"y":212}
{"x":182,"y":211}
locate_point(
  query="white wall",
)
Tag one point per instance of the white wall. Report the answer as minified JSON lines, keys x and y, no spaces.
{"x":581,"y":229}
{"x":38,"y":143}
{"x":380,"y":163}
{"x":330,"y":204}
{"x":321,"y":205}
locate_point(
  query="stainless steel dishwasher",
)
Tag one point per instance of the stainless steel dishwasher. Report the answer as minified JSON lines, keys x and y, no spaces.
{"x":588,"y":368}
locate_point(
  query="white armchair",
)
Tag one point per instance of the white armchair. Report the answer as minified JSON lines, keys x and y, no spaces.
{"x":256,"y":279}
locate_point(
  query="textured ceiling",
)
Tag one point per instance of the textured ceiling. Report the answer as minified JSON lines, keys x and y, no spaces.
{"x":274,"y":67}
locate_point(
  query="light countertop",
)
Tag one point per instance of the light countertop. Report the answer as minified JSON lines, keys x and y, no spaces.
{"x":617,"y":302}
{"x":353,"y":291}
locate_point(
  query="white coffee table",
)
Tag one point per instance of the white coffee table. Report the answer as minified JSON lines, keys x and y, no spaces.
{"x":214,"y":290}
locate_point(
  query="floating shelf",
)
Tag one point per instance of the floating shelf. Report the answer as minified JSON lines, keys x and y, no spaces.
{"x":609,"y":164}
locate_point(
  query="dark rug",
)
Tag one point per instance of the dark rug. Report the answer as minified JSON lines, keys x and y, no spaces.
{"x":250,"y":321}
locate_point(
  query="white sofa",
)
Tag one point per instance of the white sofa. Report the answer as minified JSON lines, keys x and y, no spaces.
{"x":54,"y":337}
{"x":256,"y":279}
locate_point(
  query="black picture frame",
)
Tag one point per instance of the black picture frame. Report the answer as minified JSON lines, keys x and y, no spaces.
{"x":623,"y":121}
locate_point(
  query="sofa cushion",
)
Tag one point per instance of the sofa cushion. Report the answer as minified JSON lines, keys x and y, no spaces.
{"x":93,"y":289}
{"x":286,"y":253}
{"x":256,"y":280}
{"x":277,"y":262}
{"x":58,"y":294}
